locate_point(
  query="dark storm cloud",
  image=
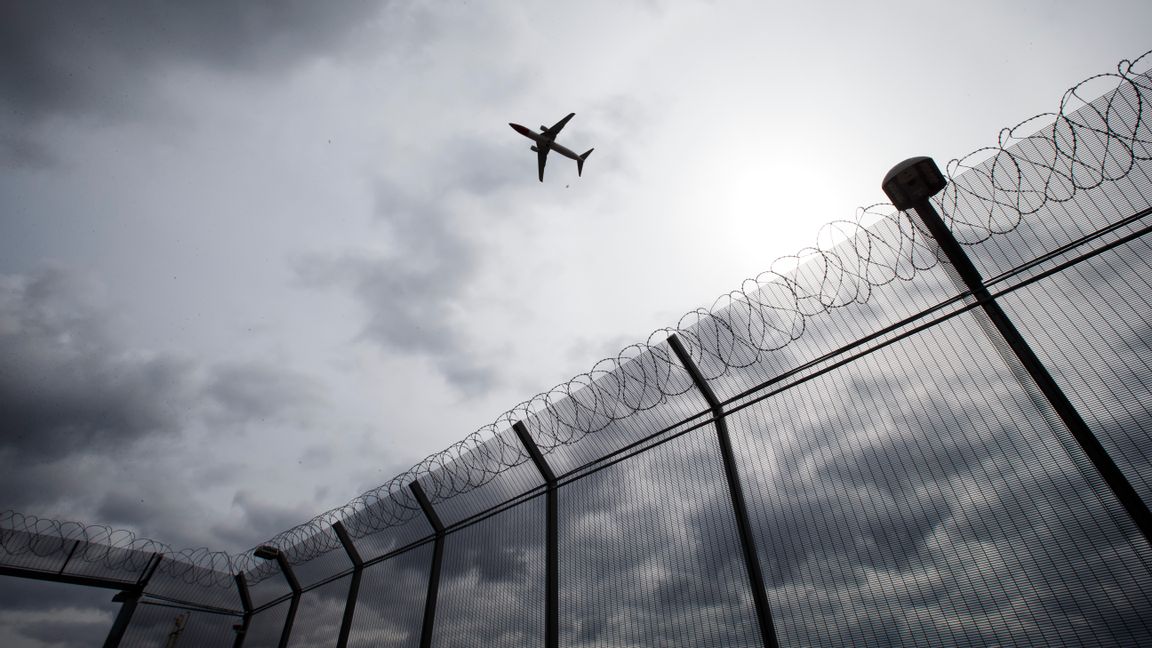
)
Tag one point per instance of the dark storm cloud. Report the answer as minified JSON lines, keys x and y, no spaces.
{"x":70,"y":392}
{"x":76,"y":57}
{"x":101,"y":59}
{"x":78,"y":615}
{"x":67,"y":632}
{"x":65,"y":388}
{"x":76,"y":407}
{"x":123,"y":509}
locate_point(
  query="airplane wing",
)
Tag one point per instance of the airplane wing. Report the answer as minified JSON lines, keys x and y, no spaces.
{"x":541,"y":158}
{"x":555,"y":130}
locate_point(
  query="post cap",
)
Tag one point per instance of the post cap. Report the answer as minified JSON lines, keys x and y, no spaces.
{"x":124,"y":596}
{"x":913,"y":181}
{"x":267,"y":552}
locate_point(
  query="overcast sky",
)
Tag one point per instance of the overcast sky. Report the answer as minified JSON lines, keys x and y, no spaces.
{"x":256,"y":258}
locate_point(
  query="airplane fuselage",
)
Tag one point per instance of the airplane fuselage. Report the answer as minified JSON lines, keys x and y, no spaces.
{"x":544,"y":142}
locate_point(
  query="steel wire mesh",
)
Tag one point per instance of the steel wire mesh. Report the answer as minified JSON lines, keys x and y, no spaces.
{"x":936,"y":511}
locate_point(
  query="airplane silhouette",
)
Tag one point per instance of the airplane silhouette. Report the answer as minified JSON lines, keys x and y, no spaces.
{"x":546,"y":142}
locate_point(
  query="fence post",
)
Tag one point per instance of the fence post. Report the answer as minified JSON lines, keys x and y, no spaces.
{"x":71,"y":552}
{"x":551,"y":556}
{"x":910,"y":185}
{"x":437,"y":556}
{"x":736,"y":493}
{"x":128,"y":599}
{"x":268,"y":552}
{"x":241,"y":629}
{"x":353,"y":587}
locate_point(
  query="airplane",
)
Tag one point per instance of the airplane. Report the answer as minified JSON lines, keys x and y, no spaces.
{"x":546,"y":141}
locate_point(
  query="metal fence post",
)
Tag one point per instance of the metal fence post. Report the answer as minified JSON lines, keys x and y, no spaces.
{"x":128,"y":600}
{"x":551,"y":556}
{"x":434,"y":574}
{"x":241,"y":628}
{"x":268,"y":552}
{"x":910,"y":185}
{"x":353,"y":587}
{"x":289,"y":576}
{"x":736,"y":493}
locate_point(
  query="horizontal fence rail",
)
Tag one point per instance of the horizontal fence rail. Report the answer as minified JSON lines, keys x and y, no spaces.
{"x":842,"y":452}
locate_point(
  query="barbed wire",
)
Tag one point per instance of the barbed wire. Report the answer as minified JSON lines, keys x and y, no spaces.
{"x":1046,"y":159}
{"x":1086,"y":143}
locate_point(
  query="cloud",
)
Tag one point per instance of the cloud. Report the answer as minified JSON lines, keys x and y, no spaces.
{"x":74,"y":58}
{"x":96,"y":431}
{"x":414,"y":294}
{"x":237,"y":393}
{"x":38,"y":614}
{"x":65,"y":389}
{"x":259,"y":518}
{"x":102,"y":60}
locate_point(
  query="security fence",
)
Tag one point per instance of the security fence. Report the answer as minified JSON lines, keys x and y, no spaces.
{"x":936,"y":432}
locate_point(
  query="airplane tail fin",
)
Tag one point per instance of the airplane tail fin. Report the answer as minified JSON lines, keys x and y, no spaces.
{"x":580,"y":161}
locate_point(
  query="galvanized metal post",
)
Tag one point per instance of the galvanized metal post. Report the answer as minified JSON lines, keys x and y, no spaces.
{"x":289,"y":576}
{"x":71,"y":552}
{"x":353,"y":587}
{"x":910,"y":185}
{"x":269,"y":552}
{"x":437,"y":557}
{"x":736,"y":493}
{"x":551,"y":555}
{"x":241,"y":629}
{"x":128,"y":600}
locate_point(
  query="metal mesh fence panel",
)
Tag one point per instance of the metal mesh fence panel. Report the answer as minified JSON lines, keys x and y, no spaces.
{"x":38,"y":551}
{"x":269,"y":588}
{"x":161,"y":625}
{"x":391,"y":604}
{"x":177,"y":580}
{"x":492,"y":583}
{"x":317,"y":623}
{"x":96,"y":559}
{"x":266,"y":627}
{"x":1098,"y":345}
{"x":649,"y":554}
{"x":918,"y":496}
{"x":322,"y":567}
